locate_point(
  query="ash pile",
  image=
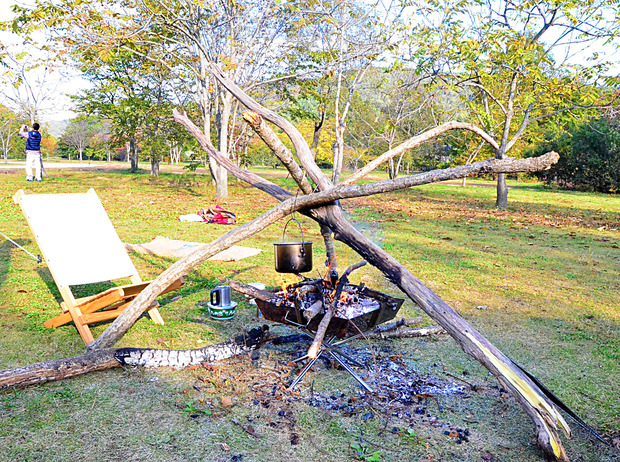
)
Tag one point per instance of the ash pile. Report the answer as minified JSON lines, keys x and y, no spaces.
{"x":398,"y":386}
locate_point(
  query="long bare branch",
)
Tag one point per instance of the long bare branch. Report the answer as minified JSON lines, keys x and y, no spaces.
{"x":279,"y":149}
{"x":416,"y":141}
{"x":251,"y":178}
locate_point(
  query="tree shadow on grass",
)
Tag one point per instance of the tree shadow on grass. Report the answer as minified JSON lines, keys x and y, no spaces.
{"x":5,"y":260}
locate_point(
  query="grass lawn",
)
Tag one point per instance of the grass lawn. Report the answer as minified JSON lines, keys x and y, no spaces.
{"x":541,"y":280}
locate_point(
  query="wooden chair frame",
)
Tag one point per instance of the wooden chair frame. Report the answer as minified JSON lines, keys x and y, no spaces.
{"x":103,"y":306}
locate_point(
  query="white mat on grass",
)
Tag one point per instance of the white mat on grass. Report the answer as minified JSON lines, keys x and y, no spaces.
{"x":165,"y":247}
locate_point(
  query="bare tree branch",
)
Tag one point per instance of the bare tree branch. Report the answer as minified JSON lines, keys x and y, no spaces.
{"x":416,"y":141}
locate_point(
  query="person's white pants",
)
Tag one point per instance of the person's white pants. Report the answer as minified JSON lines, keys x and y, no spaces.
{"x":33,"y":159}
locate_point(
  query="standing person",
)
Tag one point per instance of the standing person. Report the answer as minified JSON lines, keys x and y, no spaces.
{"x":33,"y":150}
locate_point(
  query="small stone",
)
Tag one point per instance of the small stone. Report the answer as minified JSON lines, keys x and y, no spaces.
{"x":481,"y":307}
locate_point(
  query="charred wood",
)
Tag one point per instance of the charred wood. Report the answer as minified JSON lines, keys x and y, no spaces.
{"x":406,"y":332}
{"x":313,"y":310}
{"x":60,"y":369}
{"x":313,"y":351}
{"x":394,"y":325}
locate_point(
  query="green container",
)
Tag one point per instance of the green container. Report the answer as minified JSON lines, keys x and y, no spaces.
{"x":222,"y":312}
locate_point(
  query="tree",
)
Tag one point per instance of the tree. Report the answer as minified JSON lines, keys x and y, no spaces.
{"x":79,"y":134}
{"x":32,"y":89}
{"x":391,"y":107}
{"x":102,"y":141}
{"x":48,"y":145}
{"x":132,"y":92}
{"x":8,"y":128}
{"x":504,"y":61}
{"x":590,"y":157}
{"x":245,"y":37}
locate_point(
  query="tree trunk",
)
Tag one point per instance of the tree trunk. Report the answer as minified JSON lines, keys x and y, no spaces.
{"x":502,"y":192}
{"x":154,"y":167}
{"x":133,"y":148}
{"x":44,"y":173}
{"x":221,"y":186}
{"x":316,"y":136}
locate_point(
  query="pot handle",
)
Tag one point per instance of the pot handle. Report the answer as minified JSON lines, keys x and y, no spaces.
{"x":215,"y":297}
{"x":302,"y":250}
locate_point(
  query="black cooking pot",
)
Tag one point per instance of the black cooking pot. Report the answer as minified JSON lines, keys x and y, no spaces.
{"x":293,"y":257}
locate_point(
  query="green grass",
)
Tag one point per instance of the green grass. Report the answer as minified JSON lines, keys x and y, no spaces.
{"x":541,"y":280}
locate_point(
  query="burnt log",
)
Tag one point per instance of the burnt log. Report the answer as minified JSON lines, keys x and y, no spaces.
{"x":61,"y":369}
{"x":403,"y":322}
{"x":406,"y":332}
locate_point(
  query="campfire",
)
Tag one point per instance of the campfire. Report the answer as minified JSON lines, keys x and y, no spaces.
{"x":329,"y":306}
{"x":304,"y":304}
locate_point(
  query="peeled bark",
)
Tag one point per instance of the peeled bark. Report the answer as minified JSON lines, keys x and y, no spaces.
{"x":51,"y":371}
{"x":407,"y":332}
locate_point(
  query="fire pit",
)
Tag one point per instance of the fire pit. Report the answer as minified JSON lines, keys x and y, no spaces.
{"x":360,"y":309}
{"x":349,"y":310}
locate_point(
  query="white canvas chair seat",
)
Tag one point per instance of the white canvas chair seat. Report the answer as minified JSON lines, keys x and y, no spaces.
{"x":81,"y":246}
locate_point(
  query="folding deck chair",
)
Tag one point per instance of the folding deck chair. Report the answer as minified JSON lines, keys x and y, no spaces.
{"x":80,"y":246}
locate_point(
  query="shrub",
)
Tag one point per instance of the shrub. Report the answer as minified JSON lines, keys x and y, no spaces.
{"x":589,"y":157}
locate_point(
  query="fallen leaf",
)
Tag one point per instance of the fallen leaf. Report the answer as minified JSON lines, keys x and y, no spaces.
{"x":227,"y":401}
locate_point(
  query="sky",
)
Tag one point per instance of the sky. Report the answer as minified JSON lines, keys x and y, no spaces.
{"x":60,"y":105}
{"x":63,"y":82}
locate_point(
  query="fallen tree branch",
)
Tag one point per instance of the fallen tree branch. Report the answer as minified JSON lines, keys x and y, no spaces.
{"x":406,"y":332}
{"x":249,"y":290}
{"x":60,"y":369}
{"x":416,"y":141}
{"x":279,"y":149}
{"x":396,"y":324}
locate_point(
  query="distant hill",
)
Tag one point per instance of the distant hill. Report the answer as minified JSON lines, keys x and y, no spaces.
{"x":57,"y":128}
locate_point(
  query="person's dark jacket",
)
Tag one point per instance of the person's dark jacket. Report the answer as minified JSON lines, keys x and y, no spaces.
{"x":33,"y":142}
